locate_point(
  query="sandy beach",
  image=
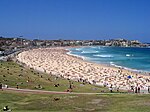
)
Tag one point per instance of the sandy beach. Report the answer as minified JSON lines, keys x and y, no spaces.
{"x":57,"y":62}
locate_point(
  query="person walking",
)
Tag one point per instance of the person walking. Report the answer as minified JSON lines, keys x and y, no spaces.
{"x":136,"y":89}
{"x":111,"y":89}
{"x":1,"y":86}
{"x":139,"y":89}
{"x":148,"y":89}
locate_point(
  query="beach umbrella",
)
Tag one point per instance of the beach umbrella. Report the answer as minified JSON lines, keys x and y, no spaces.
{"x":129,"y":77}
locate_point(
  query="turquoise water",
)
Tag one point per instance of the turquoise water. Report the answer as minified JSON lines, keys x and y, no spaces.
{"x":137,"y":59}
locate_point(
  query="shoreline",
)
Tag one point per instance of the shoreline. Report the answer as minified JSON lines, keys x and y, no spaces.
{"x":109,"y":65}
{"x":142,"y":72}
{"x":90,"y":73}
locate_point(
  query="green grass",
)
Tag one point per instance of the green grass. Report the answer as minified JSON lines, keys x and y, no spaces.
{"x":75,"y":103}
{"x":28,"y":102}
{"x":13,"y":74}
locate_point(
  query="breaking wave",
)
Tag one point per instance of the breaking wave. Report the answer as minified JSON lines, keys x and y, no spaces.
{"x":88,"y":52}
{"x":103,"y":56}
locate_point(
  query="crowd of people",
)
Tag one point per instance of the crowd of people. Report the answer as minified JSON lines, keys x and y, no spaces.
{"x":56,"y":61}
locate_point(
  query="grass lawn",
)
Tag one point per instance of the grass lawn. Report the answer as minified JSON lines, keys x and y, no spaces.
{"x":75,"y":103}
{"x":13,"y":74}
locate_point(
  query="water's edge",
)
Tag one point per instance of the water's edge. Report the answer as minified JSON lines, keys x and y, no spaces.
{"x":106,"y":64}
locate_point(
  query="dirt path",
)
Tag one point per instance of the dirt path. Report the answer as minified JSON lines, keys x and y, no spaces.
{"x":50,"y":92}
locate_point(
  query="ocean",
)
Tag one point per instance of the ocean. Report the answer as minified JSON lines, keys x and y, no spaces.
{"x":135,"y":59}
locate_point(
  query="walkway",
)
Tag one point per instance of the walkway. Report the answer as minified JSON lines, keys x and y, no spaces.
{"x":54,"y":92}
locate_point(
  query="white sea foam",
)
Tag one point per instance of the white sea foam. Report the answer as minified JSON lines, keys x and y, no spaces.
{"x":86,"y":52}
{"x":83,"y":57}
{"x":103,"y":56}
{"x":111,"y":62}
{"x":97,"y":57}
{"x":78,"y":49}
{"x":130,"y":69}
{"x":129,"y":55}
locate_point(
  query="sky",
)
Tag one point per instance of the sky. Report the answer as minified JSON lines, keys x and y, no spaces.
{"x":76,"y":19}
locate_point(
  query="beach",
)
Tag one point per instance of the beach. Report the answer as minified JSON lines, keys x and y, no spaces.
{"x":57,"y":61}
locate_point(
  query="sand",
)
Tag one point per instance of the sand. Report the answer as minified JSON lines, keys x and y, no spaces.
{"x":57,"y":62}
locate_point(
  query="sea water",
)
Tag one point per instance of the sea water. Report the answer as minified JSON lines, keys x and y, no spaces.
{"x":136,"y":59}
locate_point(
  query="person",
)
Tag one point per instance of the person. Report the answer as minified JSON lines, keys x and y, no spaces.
{"x":6,"y":86}
{"x":105,"y":84}
{"x":1,"y":85}
{"x":17,"y":86}
{"x":110,"y":89}
{"x":6,"y":109}
{"x":39,"y":86}
{"x":117,"y":89}
{"x":148,"y":89}
{"x":138,"y":89}
{"x":70,"y":85}
{"x":132,"y":88}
